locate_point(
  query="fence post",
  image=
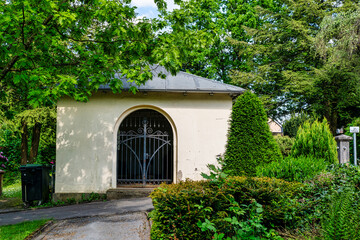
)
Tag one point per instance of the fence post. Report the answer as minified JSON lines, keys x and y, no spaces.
{"x":343,"y":148}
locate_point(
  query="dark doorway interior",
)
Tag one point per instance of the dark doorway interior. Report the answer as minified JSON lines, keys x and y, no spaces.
{"x":144,"y":149}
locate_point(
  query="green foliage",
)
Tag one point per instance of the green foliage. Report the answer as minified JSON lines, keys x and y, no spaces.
{"x":67,"y":49}
{"x":11,"y":177}
{"x":22,"y":230}
{"x":10,"y":142}
{"x":12,"y":190}
{"x":250,"y":142}
{"x":251,"y":228}
{"x":224,"y":21}
{"x":338,"y":44}
{"x":286,"y":71}
{"x":92,"y":197}
{"x":345,"y":175}
{"x":85,"y":198}
{"x":318,"y":192}
{"x":217,"y":175}
{"x":315,"y":140}
{"x":180,"y":207}
{"x":285,"y":144}
{"x":342,"y":29}
{"x":291,"y":126}
{"x":291,"y":169}
{"x":342,"y":217}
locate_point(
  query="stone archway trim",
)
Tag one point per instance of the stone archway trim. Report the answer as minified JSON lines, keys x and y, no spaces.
{"x":117,"y":125}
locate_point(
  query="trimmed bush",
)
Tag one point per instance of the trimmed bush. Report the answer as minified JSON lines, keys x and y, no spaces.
{"x":291,"y":169}
{"x":285,"y":144}
{"x":315,"y":140}
{"x":180,"y":208}
{"x":250,"y":142}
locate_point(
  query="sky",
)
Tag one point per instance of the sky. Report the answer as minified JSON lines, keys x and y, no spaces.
{"x":147,"y":8}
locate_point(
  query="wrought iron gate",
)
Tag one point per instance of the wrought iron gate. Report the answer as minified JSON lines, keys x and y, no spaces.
{"x":145,"y":149}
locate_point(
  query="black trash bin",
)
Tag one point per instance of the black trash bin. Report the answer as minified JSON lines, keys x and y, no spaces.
{"x":35,"y":179}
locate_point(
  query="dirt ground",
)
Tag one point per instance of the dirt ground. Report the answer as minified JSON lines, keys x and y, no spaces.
{"x":9,"y":204}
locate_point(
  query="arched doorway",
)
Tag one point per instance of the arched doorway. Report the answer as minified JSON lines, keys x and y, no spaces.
{"x":144,"y":149}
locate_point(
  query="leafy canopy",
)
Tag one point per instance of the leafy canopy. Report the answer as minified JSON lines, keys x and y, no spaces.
{"x":286,"y":69}
{"x":52,"y":48}
{"x":223,"y":21}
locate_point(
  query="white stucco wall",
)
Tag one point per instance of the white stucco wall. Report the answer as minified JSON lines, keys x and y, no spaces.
{"x":86,"y":135}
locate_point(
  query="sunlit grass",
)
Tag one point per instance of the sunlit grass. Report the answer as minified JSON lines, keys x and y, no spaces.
{"x":21,"y":230}
{"x":12,"y":191}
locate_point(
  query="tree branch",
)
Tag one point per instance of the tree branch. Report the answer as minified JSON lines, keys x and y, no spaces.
{"x":95,"y":41}
{"x":23,"y":25}
{"x":12,"y":62}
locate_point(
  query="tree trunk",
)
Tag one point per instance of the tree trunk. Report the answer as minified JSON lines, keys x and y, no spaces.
{"x":331,"y":116}
{"x":35,"y":142}
{"x":24,"y":143}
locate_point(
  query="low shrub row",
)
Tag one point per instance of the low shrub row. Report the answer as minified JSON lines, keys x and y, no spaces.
{"x":187,"y":209}
{"x":252,"y":207}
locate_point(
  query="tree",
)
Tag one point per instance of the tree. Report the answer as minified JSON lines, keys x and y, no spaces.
{"x":50,"y":49}
{"x":291,"y":126}
{"x":338,"y":43}
{"x":250,"y":142}
{"x":285,"y":69}
{"x":223,"y":21}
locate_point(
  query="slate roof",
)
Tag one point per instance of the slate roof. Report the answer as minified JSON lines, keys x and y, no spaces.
{"x":181,"y":82}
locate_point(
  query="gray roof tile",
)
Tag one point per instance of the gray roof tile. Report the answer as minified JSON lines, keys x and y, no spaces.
{"x":182,"y":82}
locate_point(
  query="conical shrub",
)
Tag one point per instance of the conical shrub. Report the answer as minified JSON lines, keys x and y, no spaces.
{"x":315,"y":140}
{"x":250,"y":142}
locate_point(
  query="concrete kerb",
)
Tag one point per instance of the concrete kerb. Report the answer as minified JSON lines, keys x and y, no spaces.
{"x":40,"y":230}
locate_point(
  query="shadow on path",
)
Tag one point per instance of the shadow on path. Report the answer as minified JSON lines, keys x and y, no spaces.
{"x":93,"y":209}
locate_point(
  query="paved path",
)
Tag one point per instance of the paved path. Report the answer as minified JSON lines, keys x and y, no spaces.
{"x":94,"y":209}
{"x":131,"y":226}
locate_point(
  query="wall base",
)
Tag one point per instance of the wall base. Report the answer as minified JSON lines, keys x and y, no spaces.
{"x":120,"y":193}
{"x":63,"y":197}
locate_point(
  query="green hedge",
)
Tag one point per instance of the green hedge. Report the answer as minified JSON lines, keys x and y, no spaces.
{"x":250,"y":142}
{"x":180,"y":207}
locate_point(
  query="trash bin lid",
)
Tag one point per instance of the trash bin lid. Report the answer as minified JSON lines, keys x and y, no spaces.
{"x":31,"y":166}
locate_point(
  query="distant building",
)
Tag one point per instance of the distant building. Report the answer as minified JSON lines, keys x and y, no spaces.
{"x":275,"y":127}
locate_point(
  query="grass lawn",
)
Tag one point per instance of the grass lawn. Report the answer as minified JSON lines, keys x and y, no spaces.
{"x":11,"y":196}
{"x":12,"y":191}
{"x":21,"y":230}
